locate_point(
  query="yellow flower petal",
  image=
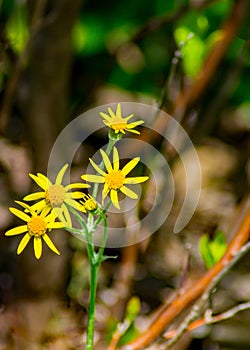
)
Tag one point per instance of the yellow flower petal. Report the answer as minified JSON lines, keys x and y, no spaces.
{"x":51,"y":217}
{"x":106,"y":116}
{"x":27,"y":207}
{"x":93,"y":178}
{"x":130,"y":165}
{"x":40,"y":181}
{"x":20,"y":214}
{"x":96,"y":167}
{"x":105,"y":192}
{"x":133,"y":125}
{"x":60,"y":175}
{"x":106,"y":189}
{"x":50,"y":244}
{"x":129,"y":117}
{"x":112,"y":114}
{"x":118,"y":111}
{"x":114,"y":198}
{"x":39,"y":206}
{"x":106,"y":160}
{"x":46,"y":180}
{"x":57,"y":211}
{"x":76,"y":185}
{"x":115,"y":159}
{"x":23,"y":243}
{"x":128,"y":192}
{"x":38,"y":247}
{"x":75,"y":195}
{"x":55,"y":225}
{"x":16,"y":230}
{"x":44,"y":213}
{"x":66,"y":215}
{"x":135,"y":180}
{"x":34,"y":196}
{"x":134,"y":131}
{"x":73,"y":203}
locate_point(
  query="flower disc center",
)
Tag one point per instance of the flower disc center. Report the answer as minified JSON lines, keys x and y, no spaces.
{"x":55,"y":195}
{"x":37,"y":226}
{"x":115,"y":179}
{"x":119,"y":124}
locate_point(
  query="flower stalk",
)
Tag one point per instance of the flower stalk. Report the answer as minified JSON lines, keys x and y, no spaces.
{"x":56,"y":204}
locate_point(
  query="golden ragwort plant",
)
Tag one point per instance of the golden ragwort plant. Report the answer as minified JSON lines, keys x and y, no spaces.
{"x":56,"y":203}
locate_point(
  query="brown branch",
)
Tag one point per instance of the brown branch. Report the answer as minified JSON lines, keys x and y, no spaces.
{"x":229,"y":30}
{"x":210,"y":319}
{"x":190,"y":96}
{"x":170,"y":312}
{"x":199,"y":306}
{"x":158,"y":22}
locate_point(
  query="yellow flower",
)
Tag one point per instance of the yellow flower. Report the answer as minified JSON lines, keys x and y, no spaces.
{"x":55,"y":195}
{"x":114,"y":179}
{"x":116,"y":122}
{"x":36,"y":226}
{"x":88,"y":203}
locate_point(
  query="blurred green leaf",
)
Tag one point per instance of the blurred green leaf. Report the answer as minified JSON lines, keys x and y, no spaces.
{"x":212,"y":250}
{"x":88,"y":36}
{"x":192,"y":49}
{"x":133,"y":308}
{"x":17,"y":30}
{"x":205,"y":251}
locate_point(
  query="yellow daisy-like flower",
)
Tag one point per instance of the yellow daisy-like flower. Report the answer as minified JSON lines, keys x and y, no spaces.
{"x":88,"y":203}
{"x":36,"y":227}
{"x":116,"y":122}
{"x":114,"y":179}
{"x":55,"y":196}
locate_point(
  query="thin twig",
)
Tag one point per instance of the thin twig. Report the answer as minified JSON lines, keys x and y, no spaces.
{"x":210,"y":319}
{"x":158,"y":22}
{"x":196,"y":309}
{"x":170,"y":312}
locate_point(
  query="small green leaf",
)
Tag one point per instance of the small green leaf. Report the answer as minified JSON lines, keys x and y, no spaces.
{"x":218,"y":246}
{"x":133,"y":308}
{"x":192,"y":49}
{"x":205,"y":251}
{"x":212,"y":250}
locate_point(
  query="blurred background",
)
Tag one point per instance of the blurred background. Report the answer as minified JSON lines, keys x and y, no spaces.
{"x":60,"y":58}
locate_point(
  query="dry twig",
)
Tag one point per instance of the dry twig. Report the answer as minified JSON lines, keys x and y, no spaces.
{"x":170,"y":312}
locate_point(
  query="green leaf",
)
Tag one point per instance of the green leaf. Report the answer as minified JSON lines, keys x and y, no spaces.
{"x":133,"y":308}
{"x":218,"y":246}
{"x":212,"y":250}
{"x":205,"y":251}
{"x":17,"y":30}
{"x":192,"y":48}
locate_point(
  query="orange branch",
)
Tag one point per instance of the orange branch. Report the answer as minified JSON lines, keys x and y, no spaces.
{"x":170,"y":312}
{"x":210,"y":320}
{"x":228,"y":31}
{"x":191,"y":95}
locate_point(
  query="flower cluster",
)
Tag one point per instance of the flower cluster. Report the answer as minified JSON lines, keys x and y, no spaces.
{"x":54,"y":200}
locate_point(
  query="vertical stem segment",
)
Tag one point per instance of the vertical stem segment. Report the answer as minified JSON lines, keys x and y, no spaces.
{"x":91,"y":314}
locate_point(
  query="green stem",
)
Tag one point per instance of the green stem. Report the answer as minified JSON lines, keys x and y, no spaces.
{"x":95,"y":261}
{"x":104,"y":239}
{"x":91,"y":313}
